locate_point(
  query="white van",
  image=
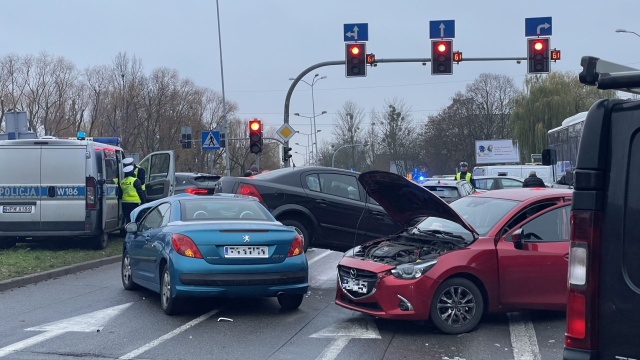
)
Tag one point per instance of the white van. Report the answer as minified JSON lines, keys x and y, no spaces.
{"x":521,"y":171}
{"x":65,"y":188}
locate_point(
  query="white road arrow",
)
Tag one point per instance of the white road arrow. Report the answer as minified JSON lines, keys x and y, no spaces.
{"x":441,"y":29}
{"x":90,"y":322}
{"x":360,"y":328}
{"x":541,"y":26}
{"x":353,"y":33}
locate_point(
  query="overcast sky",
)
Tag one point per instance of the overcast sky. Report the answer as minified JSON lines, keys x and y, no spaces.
{"x":264,"y":43}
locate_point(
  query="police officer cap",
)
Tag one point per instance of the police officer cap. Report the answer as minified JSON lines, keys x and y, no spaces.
{"x":128,"y":169}
{"x":464,"y":164}
{"x":127,"y":161}
{"x":254,"y":168}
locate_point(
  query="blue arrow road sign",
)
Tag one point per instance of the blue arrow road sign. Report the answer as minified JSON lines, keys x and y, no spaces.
{"x":356,"y":32}
{"x":442,"y":29}
{"x":211,"y":140}
{"x":537,"y":26}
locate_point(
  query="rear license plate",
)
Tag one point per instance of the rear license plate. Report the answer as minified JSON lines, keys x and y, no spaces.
{"x":246,"y":251}
{"x":17,"y":209}
{"x":354,"y":285}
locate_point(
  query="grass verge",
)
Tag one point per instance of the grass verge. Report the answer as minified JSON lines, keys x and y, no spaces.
{"x":31,"y":258}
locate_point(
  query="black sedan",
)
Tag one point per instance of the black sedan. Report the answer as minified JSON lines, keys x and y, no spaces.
{"x":327,"y":206}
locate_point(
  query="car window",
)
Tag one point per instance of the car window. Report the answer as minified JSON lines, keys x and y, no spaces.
{"x":340,"y":185}
{"x":180,"y":179}
{"x":444,"y":191}
{"x":484,"y":184}
{"x":216,"y":210}
{"x":312,"y":182}
{"x":552,"y":226}
{"x":510,"y":183}
{"x":155,"y":217}
{"x":525,"y":214}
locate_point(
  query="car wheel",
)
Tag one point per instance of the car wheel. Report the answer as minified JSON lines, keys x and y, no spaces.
{"x":101,"y":241}
{"x":457,"y":306}
{"x":301,"y":230}
{"x":168,"y":303}
{"x":127,"y":280}
{"x":290,"y":301}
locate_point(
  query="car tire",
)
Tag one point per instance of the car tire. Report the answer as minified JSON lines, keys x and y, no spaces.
{"x":101,"y":241}
{"x":457,"y":306}
{"x":290,"y":301}
{"x":168,"y":303}
{"x":125,"y":272}
{"x":301,"y":230}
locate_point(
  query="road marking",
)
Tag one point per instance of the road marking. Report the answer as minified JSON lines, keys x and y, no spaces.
{"x":90,"y":322}
{"x":168,"y":336}
{"x":319,"y":257}
{"x":359,"y":328}
{"x":523,"y":337}
{"x":332,"y":351}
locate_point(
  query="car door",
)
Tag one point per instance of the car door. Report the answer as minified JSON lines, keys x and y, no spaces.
{"x":160,"y":170}
{"x":144,"y":250}
{"x":534,"y":274}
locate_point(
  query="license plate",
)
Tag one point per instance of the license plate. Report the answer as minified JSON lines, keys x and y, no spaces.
{"x":354,"y":285}
{"x":13,"y":209}
{"x":246,"y":251}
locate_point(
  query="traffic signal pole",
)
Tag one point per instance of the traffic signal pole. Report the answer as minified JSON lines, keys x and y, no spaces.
{"x":424,"y":61}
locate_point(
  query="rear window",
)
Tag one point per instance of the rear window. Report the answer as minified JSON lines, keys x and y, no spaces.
{"x":227,"y":210}
{"x":444,"y":191}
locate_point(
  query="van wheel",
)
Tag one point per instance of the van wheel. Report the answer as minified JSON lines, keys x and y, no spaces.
{"x":100,"y":241}
{"x":457,"y":306}
{"x":301,"y":230}
{"x":8,"y":242}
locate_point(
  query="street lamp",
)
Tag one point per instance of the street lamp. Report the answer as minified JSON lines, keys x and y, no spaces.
{"x":312,"y":118}
{"x":627,"y":31}
{"x":333,"y":159}
{"x":315,"y":79}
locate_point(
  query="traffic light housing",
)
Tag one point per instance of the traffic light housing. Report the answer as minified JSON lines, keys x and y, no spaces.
{"x":441,"y":57}
{"x":355,"y":60}
{"x":286,"y":153}
{"x":255,"y":136}
{"x":538,"y":56}
{"x":186,"y":141}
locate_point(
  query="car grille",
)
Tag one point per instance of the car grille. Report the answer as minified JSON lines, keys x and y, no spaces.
{"x":359,"y":275}
{"x":373,"y":306}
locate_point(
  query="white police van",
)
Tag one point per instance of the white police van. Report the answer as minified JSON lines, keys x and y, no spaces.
{"x":67,"y":188}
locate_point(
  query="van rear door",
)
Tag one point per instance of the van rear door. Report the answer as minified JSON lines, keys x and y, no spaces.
{"x":63,"y":179}
{"x":20,"y":190}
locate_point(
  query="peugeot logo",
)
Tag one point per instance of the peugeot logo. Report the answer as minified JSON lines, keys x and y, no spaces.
{"x":353,"y":273}
{"x":245,"y":238}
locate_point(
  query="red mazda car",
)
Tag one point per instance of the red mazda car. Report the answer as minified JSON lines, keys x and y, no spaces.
{"x":495,"y":251}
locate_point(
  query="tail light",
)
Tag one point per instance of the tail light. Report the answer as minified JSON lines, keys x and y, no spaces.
{"x":184,"y":246}
{"x":297,"y":246}
{"x":196,"y":191}
{"x":92,"y":194}
{"x":584,"y":264}
{"x":250,"y":190}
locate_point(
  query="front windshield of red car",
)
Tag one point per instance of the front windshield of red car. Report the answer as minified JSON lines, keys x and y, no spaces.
{"x":483,"y":213}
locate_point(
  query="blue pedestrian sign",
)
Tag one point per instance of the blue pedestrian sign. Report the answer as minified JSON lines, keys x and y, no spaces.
{"x":356,"y":32}
{"x":537,"y":26}
{"x":442,"y":29}
{"x":211,"y":140}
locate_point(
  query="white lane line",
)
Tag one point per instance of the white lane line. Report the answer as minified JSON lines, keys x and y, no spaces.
{"x":319,"y":257}
{"x":523,"y":337}
{"x":168,"y":336}
{"x":332,"y":351}
{"x":28,"y":342}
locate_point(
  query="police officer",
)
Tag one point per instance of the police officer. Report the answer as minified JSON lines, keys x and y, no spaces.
{"x":138,"y":172}
{"x":465,"y":175}
{"x":130,"y":192}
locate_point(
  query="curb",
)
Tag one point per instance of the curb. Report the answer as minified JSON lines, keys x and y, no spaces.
{"x":50,"y":274}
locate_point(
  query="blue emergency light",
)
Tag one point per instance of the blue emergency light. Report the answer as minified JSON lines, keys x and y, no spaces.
{"x":81,"y":135}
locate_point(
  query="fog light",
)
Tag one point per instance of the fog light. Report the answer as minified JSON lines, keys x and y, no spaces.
{"x":404,"y":304}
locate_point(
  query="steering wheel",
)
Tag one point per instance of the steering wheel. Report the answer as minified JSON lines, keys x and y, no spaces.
{"x":246,"y":214}
{"x":200,"y":214}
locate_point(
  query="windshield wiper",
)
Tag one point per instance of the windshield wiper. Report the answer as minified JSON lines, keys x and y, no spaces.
{"x":441,"y":233}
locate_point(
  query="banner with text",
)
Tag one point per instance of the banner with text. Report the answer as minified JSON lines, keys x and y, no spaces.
{"x":497,"y":152}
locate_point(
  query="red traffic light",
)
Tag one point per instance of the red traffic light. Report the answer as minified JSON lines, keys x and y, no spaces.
{"x":355,"y":50}
{"x":538,"y":45}
{"x":254,"y":125}
{"x":442,"y":47}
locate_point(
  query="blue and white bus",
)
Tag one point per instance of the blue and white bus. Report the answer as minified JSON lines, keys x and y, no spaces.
{"x":565,"y":140}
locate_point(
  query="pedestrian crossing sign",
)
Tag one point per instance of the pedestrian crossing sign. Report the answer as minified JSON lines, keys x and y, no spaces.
{"x":211,"y":140}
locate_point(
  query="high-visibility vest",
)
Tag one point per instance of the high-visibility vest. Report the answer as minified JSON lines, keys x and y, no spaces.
{"x":129,"y":193}
{"x":135,"y":172}
{"x":468,"y":177}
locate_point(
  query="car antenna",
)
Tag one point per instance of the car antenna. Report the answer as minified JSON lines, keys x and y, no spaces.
{"x":355,"y":236}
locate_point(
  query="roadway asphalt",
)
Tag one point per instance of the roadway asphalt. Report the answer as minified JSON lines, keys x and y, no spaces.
{"x":55,"y":273}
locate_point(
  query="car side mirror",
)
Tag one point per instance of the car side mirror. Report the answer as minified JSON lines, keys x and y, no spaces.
{"x":516,"y":238}
{"x":131,"y":228}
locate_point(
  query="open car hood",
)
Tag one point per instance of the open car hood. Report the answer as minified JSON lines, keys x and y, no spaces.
{"x":405,"y":200}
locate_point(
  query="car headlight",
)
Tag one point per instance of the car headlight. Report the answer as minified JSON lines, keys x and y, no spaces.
{"x":413,"y":270}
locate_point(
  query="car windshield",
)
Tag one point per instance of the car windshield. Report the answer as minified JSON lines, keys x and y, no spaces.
{"x":483,"y":213}
{"x":222,"y":209}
